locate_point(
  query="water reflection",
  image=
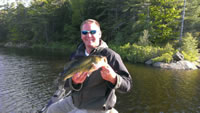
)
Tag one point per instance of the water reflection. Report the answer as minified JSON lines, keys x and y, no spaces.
{"x":26,"y":84}
{"x":161,"y":91}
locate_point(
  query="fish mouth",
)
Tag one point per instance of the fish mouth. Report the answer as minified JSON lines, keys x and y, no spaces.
{"x":105,"y":59}
{"x":102,"y":62}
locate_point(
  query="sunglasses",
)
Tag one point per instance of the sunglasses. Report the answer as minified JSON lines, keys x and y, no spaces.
{"x":86,"y":32}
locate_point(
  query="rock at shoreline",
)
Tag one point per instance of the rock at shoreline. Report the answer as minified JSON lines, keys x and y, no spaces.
{"x":178,"y":56}
{"x":9,"y":44}
{"x":19,"y":45}
{"x":149,"y":62}
{"x":179,"y":63}
{"x":183,"y":64}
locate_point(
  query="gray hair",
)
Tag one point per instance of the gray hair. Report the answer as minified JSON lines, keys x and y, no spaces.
{"x":89,"y":21}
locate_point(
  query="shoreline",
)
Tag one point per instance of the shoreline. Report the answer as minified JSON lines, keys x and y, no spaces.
{"x":178,"y":65}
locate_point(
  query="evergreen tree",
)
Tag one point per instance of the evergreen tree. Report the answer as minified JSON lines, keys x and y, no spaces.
{"x":164,"y":15}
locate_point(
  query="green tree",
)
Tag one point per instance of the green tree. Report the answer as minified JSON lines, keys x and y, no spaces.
{"x":16,"y":21}
{"x":164,"y":15}
{"x":122,"y":21}
{"x":192,"y":18}
{"x":77,"y":9}
{"x":117,"y":20}
{"x":189,"y":47}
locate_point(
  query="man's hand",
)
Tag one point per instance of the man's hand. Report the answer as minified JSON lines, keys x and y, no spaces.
{"x":79,"y":78}
{"x":108,"y":74}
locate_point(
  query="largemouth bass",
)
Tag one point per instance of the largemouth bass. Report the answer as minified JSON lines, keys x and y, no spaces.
{"x":81,"y":65}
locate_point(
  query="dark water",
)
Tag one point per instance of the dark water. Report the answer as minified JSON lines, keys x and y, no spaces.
{"x":27,"y":82}
{"x":161,"y":91}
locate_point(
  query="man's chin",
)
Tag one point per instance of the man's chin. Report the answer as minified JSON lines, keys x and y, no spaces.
{"x":91,"y":46}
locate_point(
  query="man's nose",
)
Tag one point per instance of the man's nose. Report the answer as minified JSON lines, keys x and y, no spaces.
{"x":89,"y":34}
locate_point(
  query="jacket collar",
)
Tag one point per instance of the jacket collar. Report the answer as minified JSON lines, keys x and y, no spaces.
{"x":81,"y":48}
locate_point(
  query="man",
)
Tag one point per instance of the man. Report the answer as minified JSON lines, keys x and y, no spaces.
{"x":96,"y":93}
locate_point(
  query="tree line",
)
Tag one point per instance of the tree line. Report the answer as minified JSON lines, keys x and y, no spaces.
{"x":122,"y":21}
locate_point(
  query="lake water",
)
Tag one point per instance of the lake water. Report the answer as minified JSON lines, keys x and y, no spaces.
{"x":27,"y":83}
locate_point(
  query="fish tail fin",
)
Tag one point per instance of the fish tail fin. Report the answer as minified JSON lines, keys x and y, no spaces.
{"x":67,"y":77}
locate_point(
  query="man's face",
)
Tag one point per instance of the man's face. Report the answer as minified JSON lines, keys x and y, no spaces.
{"x":90,"y":34}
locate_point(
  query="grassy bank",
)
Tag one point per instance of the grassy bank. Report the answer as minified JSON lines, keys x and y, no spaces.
{"x":140,"y":53}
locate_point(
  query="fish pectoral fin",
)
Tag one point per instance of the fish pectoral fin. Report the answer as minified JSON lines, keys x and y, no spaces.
{"x":92,"y":69}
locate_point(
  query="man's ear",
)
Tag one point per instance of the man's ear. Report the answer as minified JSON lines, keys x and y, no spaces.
{"x":100,"y":33}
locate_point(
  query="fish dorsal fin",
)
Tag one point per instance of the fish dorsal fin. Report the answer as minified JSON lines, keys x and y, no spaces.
{"x":68,"y":65}
{"x":75,"y":62}
{"x":86,"y":60}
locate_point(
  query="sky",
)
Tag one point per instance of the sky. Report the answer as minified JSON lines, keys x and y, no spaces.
{"x":26,"y":2}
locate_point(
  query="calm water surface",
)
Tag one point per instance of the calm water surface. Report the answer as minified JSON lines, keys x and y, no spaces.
{"x":27,"y":82}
